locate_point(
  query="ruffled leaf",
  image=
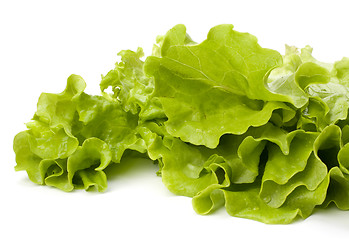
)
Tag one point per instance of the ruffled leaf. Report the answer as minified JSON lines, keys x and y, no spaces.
{"x":85,"y":167}
{"x":338,"y":191}
{"x":55,"y":174}
{"x":59,"y":109}
{"x":131,"y":87}
{"x":217,"y":81}
{"x":107,"y":121}
{"x":25,"y":158}
{"x":246,"y":203}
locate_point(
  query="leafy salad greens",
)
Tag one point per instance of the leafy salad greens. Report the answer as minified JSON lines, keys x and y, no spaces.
{"x":229,"y":123}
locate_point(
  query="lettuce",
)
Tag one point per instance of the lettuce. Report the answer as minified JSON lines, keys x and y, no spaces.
{"x":229,"y":123}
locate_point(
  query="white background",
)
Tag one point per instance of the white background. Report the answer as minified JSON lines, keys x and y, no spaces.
{"x":43,"y":42}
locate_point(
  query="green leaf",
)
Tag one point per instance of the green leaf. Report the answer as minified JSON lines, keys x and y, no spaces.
{"x":55,"y":174}
{"x":217,"y":81}
{"x":50,"y":143}
{"x":85,"y":167}
{"x":246,"y":203}
{"x":280,"y":167}
{"x":131,"y":87}
{"x":108,"y":121}
{"x":59,"y":109}
{"x":174,"y":37}
{"x":328,"y":145}
{"x":183,"y":171}
{"x":25,"y":158}
{"x":338,"y":191}
{"x":275,"y":194}
{"x":294,"y":76}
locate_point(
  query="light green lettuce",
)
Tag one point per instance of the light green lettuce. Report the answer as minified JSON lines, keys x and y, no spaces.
{"x":73,"y":137}
{"x":131,"y":87}
{"x":229,"y":123}
{"x":221,"y":81}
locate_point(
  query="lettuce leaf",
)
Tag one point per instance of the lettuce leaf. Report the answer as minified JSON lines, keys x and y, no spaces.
{"x":73,"y":137}
{"x":131,"y":87}
{"x":227,"y":72}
